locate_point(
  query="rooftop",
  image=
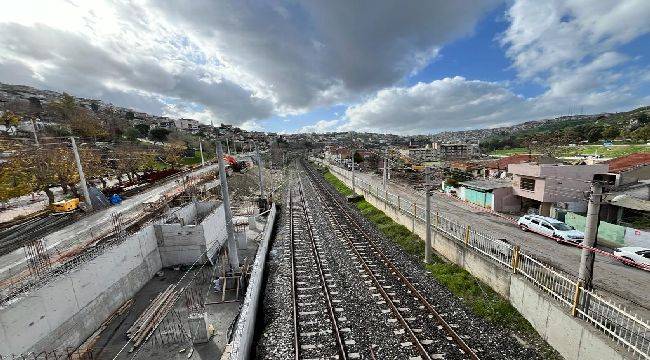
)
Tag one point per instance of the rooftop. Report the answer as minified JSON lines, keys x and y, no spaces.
{"x":487,"y":184}
{"x":625,"y":163}
{"x":502,"y":164}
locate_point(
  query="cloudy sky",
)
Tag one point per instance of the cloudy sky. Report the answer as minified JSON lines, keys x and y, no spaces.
{"x":385,"y":66}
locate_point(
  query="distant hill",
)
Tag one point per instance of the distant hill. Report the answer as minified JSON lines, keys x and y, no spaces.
{"x":563,"y":130}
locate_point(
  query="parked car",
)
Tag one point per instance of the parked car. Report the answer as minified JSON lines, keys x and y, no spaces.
{"x":550,"y":227}
{"x":637,"y":254}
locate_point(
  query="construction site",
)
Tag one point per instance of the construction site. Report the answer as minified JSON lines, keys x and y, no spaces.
{"x":162,"y":275}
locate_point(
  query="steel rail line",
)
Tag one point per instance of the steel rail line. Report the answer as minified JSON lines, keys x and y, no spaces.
{"x":364,"y":233}
{"x":340,"y":347}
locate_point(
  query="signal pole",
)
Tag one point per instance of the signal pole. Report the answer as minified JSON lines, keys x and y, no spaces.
{"x":233,"y":255}
{"x":587,"y":256}
{"x":82,"y":178}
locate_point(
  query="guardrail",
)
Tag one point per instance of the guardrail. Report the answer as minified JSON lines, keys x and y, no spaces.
{"x":628,"y":330}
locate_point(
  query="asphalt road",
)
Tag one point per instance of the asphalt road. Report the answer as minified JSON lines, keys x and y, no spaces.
{"x":625,"y":285}
{"x":90,"y":225}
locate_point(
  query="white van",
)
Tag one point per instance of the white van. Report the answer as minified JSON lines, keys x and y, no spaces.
{"x":550,"y":227}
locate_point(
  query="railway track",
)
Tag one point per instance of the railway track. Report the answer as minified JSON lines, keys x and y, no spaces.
{"x":18,"y":235}
{"x":423,"y":332}
{"x":316,"y":327}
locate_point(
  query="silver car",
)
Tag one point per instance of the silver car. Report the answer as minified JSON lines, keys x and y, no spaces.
{"x":551,"y":228}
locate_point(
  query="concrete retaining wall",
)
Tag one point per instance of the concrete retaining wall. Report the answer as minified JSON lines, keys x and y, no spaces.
{"x":573,"y":338}
{"x":245,"y":327}
{"x":70,"y":308}
{"x":183,"y":244}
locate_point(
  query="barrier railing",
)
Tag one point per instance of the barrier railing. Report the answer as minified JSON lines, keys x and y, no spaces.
{"x":626,"y":329}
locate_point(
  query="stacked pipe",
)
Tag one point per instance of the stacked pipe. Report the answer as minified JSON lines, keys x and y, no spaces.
{"x":153,"y":314}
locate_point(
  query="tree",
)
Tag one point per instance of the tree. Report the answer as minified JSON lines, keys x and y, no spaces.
{"x":611,"y":133}
{"x":643,"y":118}
{"x":38,"y":169}
{"x":66,"y":106}
{"x":358,"y":158}
{"x":14,"y":180}
{"x":594,"y":134}
{"x":84,"y":124}
{"x":143,"y":129}
{"x":158,"y":134}
{"x":172,"y":153}
{"x":8,"y":118}
{"x":642,"y":134}
{"x":131,"y":134}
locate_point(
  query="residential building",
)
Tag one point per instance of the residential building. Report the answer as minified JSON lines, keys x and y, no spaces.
{"x":420,"y":155}
{"x":628,"y":201}
{"x":188,"y":125}
{"x":490,"y":193}
{"x":541,"y":185}
{"x":455,"y":150}
{"x":499,"y":168}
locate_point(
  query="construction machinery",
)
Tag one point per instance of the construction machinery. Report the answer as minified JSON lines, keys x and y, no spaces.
{"x":65,"y":206}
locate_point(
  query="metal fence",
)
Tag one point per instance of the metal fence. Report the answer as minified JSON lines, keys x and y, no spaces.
{"x":626,"y":329}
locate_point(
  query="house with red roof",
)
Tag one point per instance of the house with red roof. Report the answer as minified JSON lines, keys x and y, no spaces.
{"x":499,"y":167}
{"x":628,"y":201}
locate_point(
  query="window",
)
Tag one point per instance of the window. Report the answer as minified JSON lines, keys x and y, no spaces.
{"x":527,"y":184}
{"x":561,"y":226}
{"x":536,"y":222}
{"x":547,"y":226}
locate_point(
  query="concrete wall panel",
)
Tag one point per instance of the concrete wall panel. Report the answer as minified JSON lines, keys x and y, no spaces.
{"x":71,"y":307}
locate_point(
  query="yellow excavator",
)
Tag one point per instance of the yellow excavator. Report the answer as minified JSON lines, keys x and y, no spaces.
{"x":65,"y":206}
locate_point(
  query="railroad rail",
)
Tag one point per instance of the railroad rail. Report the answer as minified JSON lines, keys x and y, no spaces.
{"x":405,"y":302}
{"x":311,"y":293}
{"x":15,"y":237}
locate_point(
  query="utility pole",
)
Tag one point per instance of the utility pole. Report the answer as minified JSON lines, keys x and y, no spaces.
{"x":587,"y":256}
{"x":35,"y":136}
{"x":234,"y":145}
{"x":201,"y":151}
{"x":259,"y":164}
{"x":427,"y":238}
{"x":233,"y":255}
{"x":353,"y":187}
{"x":385,"y":172}
{"x":227,"y":146}
{"x":82,"y":178}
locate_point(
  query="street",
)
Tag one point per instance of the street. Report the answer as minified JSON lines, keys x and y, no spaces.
{"x":625,"y":285}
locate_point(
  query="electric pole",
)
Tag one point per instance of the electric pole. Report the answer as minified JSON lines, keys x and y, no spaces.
{"x":353,"y":187}
{"x":427,"y":238}
{"x":201,"y":151}
{"x":35,"y":136}
{"x":82,"y":178}
{"x":233,"y":255}
{"x":591,"y":232}
{"x":385,"y":172}
{"x":259,"y":164}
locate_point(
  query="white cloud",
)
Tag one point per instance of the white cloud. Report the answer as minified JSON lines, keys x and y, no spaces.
{"x":321,"y":126}
{"x":240,"y":61}
{"x":544,"y":36}
{"x":571,"y":48}
{"x":449,"y":103}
